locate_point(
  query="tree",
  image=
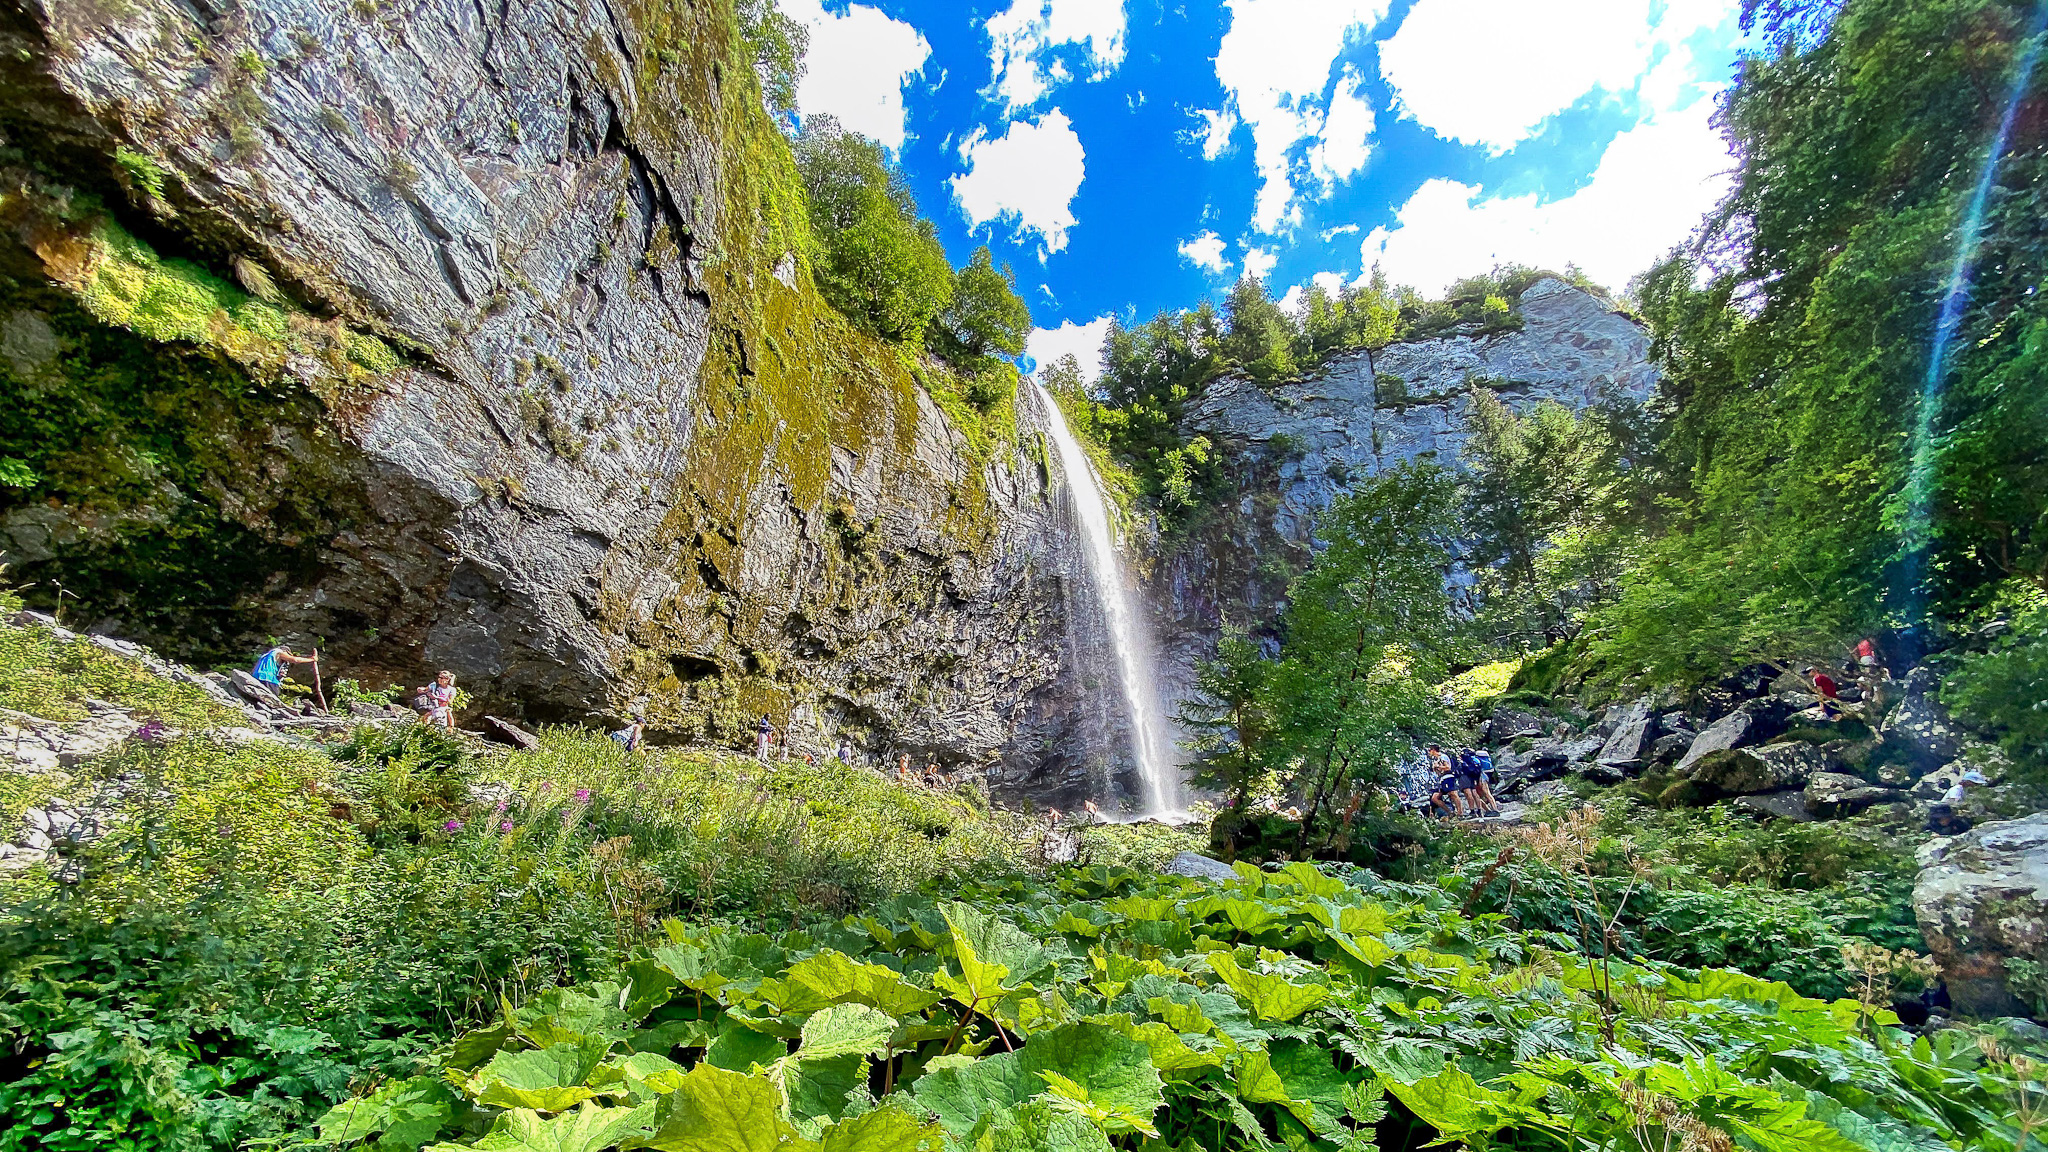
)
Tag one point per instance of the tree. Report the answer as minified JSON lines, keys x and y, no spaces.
{"x":985,"y":316}
{"x":1227,"y":720}
{"x":876,"y":260}
{"x":777,"y":44}
{"x":1260,"y":337}
{"x":1537,"y":508}
{"x":1366,"y":632}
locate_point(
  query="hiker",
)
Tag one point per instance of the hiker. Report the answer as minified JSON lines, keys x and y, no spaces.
{"x":1473,"y":779}
{"x":931,"y":774}
{"x":270,"y":666}
{"x":845,"y":751}
{"x":764,"y":735}
{"x":903,"y":768}
{"x":1824,"y":686}
{"x":629,"y":737}
{"x":1444,"y":801}
{"x":1942,"y":818}
{"x":1866,"y":653}
{"x":440,"y":700}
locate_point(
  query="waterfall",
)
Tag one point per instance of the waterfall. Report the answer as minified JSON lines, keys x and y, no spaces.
{"x":1126,"y":629}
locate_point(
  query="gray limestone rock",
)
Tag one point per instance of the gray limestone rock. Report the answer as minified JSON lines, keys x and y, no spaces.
{"x":1631,"y":731}
{"x":1982,"y":898}
{"x":1200,"y":867}
{"x":1922,"y":728}
{"x":253,"y":690}
{"x":506,"y":732}
{"x":1672,"y":745}
{"x":1767,"y":769}
{"x":1729,"y":731}
{"x":1510,"y":723}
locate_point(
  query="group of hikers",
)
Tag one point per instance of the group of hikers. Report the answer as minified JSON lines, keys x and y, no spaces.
{"x":435,"y":702}
{"x":1453,"y":785}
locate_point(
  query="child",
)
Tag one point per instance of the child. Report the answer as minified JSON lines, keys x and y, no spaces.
{"x":440,"y":701}
{"x":270,"y":666}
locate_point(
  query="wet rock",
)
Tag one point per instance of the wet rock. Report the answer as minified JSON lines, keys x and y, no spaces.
{"x":1200,"y":867}
{"x":1981,"y":899}
{"x":1679,"y":722}
{"x":1834,"y":795}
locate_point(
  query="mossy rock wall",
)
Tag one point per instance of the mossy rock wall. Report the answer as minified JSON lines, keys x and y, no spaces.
{"x":531,"y":383}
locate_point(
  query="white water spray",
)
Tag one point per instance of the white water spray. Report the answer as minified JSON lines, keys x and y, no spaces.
{"x":1126,"y":628}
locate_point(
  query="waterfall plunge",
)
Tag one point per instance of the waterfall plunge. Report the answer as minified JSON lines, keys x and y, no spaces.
{"x":1126,"y":628}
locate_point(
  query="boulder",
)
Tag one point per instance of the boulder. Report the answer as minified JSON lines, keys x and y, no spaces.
{"x":1605,"y":775}
{"x":1200,"y":867}
{"x":1631,"y":733}
{"x":1679,"y":722}
{"x":1730,"y":731}
{"x":1833,"y":795}
{"x":1672,"y":745}
{"x":253,"y":690}
{"x":1751,"y":680}
{"x":1982,"y":899}
{"x":1773,"y":806}
{"x":506,"y":732}
{"x":1990,"y":762}
{"x":1920,"y":727}
{"x":1735,"y":771}
{"x":1511,"y":723}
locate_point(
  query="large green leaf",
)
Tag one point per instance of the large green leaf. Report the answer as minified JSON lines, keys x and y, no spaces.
{"x":886,"y":1129}
{"x":830,"y":978}
{"x":588,"y":1129}
{"x":407,"y":1113}
{"x":1097,"y":1064}
{"x":961,"y":1092}
{"x":739,"y":1048}
{"x":545,"y":1079}
{"x":642,"y":1076}
{"x":1039,"y":1126}
{"x":1315,"y":1089}
{"x":713,"y":1110}
{"x":1269,"y":997}
{"x":567,"y":1015}
{"x":992,"y":954}
{"x":845,"y":1030}
{"x":1451,"y":1102}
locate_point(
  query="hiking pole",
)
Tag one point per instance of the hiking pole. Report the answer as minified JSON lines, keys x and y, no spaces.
{"x":319,"y":693}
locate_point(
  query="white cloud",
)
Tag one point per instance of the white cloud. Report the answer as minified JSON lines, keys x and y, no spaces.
{"x":1215,"y":131}
{"x":1346,"y":132}
{"x":856,"y":67}
{"x":1490,"y":71}
{"x":1291,"y":300}
{"x":1652,"y":186}
{"x":1028,"y":176}
{"x":1206,"y":251}
{"x":1330,"y":282}
{"x":1082,"y":341}
{"x":1329,"y":234}
{"x":1275,"y":62}
{"x":1258,"y":262}
{"x":1022,"y":40}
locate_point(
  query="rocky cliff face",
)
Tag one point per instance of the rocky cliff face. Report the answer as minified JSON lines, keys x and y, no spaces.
{"x":507,"y":361}
{"x":1301,"y":445}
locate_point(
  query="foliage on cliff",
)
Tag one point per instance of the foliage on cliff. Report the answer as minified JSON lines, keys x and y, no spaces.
{"x":1819,"y":476}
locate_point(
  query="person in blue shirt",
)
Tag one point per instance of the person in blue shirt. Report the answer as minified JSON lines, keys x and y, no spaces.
{"x":270,"y":666}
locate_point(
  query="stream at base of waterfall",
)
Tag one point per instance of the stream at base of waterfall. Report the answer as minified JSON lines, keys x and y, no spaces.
{"x":1157,"y":771}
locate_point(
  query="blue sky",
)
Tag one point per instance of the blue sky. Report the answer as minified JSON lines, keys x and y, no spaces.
{"x":1128,"y":156}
